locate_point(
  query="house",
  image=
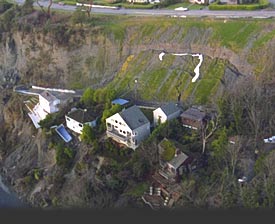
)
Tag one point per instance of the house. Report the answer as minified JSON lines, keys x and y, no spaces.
{"x":138,"y":1}
{"x":48,"y":102}
{"x":166,"y":112}
{"x":231,"y":2}
{"x":200,"y":2}
{"x":129,"y":127}
{"x":45,"y":101}
{"x":193,"y":118}
{"x":77,"y":118}
{"x":174,"y":165}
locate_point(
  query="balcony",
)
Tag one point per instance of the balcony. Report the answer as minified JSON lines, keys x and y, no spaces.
{"x":117,"y":136}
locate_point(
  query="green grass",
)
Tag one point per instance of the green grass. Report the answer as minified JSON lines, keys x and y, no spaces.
{"x":264,"y":39}
{"x":138,"y":190}
{"x":209,"y":83}
{"x":153,"y":80}
{"x":234,"y":34}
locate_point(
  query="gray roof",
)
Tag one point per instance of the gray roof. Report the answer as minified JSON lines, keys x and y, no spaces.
{"x":193,"y":114}
{"x":178,"y":160}
{"x":48,"y":96}
{"x":81,"y":116}
{"x":170,"y":108}
{"x":53,"y":95}
{"x":134,"y":117}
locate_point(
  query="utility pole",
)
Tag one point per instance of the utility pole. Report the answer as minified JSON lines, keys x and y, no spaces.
{"x":135,"y":89}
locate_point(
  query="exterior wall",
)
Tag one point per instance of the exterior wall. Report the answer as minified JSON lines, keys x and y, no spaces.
{"x":158,"y":113}
{"x":50,"y":107}
{"x":197,"y":1}
{"x":191,"y":123}
{"x":74,"y":125}
{"x":77,"y":126}
{"x":119,"y":131}
{"x":138,"y":1}
{"x":174,"y":115}
{"x":142,"y":133}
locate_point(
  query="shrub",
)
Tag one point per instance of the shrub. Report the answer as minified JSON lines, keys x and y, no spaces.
{"x":88,"y":135}
{"x":4,"y":6}
{"x":88,"y":97}
{"x":64,"y":156}
{"x":169,"y":150}
{"x":217,"y":6}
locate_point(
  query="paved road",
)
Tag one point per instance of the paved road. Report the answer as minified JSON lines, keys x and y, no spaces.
{"x":172,"y":13}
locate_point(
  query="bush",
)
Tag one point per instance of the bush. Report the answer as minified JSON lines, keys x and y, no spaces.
{"x":64,"y":156}
{"x":88,"y":135}
{"x":4,"y":6}
{"x":217,"y":6}
{"x":88,"y":97}
{"x":47,"y":122}
{"x":169,"y":150}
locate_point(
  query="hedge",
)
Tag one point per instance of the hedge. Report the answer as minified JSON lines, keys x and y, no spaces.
{"x":262,"y":4}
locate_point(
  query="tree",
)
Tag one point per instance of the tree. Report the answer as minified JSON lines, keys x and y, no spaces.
{"x":140,"y":168}
{"x":88,"y":97}
{"x":208,"y":130}
{"x":78,"y":17}
{"x":88,"y":135}
{"x":27,"y":7}
{"x":110,"y":111}
{"x":64,"y":156}
{"x":219,"y":144}
{"x":87,"y":6}
{"x":49,"y":7}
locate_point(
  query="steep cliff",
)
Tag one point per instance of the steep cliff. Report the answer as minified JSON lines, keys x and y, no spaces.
{"x":113,"y":52}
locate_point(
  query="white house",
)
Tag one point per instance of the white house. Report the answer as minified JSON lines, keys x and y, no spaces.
{"x":165,"y":113}
{"x":138,"y":1}
{"x":49,"y":102}
{"x":77,"y":118}
{"x":129,"y":127}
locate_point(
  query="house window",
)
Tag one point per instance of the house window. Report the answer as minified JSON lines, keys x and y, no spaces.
{"x":108,"y":125}
{"x":120,"y":130}
{"x":116,"y":127}
{"x":68,"y":119}
{"x":124,"y":132}
{"x":116,"y":121}
{"x":119,"y":123}
{"x":80,"y":125}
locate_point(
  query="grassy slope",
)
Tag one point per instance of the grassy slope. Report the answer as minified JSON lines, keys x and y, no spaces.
{"x":158,"y":80}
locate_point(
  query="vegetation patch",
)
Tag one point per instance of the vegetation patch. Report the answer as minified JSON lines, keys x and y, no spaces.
{"x":169,"y":150}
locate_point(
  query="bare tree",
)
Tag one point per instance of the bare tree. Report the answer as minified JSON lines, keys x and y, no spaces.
{"x":87,"y":6}
{"x":233,"y":153}
{"x":42,"y":7}
{"x":208,"y":130}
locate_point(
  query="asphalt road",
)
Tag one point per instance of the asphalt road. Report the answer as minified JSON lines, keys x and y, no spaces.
{"x":170,"y":13}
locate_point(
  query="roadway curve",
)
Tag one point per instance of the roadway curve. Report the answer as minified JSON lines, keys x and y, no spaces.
{"x":165,"y":12}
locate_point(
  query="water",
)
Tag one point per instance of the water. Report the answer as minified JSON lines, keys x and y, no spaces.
{"x":8,"y":199}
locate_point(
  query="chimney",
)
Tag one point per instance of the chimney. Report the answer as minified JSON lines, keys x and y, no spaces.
{"x":176,"y":152}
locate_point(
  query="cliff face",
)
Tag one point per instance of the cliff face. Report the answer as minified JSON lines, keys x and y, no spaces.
{"x":111,"y":57}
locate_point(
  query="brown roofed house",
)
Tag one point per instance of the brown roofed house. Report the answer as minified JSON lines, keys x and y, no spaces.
{"x":193,"y":118}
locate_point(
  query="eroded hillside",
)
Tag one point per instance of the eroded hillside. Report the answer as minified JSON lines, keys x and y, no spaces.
{"x":113,"y":52}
